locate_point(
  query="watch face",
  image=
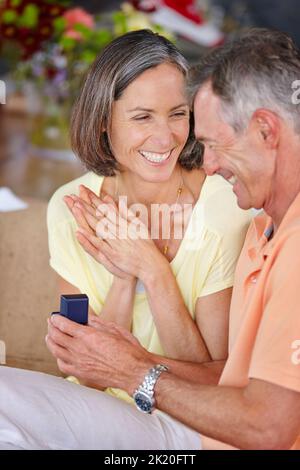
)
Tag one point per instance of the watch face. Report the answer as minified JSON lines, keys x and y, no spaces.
{"x":143,"y":402}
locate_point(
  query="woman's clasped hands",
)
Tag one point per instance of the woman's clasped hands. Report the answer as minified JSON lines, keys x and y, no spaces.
{"x":114,"y":236}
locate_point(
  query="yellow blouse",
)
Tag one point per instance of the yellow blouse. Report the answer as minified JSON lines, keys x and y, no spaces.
{"x":204,"y":263}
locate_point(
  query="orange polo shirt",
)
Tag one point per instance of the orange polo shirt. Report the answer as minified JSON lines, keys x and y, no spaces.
{"x":264,"y":330}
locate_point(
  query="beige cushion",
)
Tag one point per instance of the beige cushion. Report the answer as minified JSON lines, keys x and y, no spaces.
{"x":28,"y":291}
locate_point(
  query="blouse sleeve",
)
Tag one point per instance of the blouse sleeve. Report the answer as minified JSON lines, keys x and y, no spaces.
{"x":226,"y":233}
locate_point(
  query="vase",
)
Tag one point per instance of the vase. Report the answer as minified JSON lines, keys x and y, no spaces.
{"x":49,"y":123}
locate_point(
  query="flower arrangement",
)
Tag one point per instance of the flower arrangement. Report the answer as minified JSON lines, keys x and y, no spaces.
{"x":52,"y":44}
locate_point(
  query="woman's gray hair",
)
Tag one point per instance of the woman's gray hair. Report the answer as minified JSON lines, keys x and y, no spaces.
{"x":121,"y":62}
{"x":256,"y":70}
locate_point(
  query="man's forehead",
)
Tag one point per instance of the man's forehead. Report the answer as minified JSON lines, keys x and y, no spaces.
{"x":205,"y":99}
{"x":206,"y":112}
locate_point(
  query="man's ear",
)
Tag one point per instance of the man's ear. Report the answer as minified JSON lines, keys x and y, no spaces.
{"x":267,"y":125}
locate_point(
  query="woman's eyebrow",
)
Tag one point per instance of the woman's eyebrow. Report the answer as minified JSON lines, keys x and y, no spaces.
{"x":140,"y":108}
{"x":181,"y":105}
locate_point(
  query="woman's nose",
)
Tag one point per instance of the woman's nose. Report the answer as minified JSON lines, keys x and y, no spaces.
{"x":163,"y":137}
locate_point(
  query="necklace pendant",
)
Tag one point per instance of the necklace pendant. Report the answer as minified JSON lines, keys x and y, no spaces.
{"x":165,"y":250}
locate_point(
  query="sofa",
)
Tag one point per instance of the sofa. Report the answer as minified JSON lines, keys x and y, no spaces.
{"x":28,"y":288}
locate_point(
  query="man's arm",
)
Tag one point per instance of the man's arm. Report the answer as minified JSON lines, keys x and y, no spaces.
{"x":259,"y":416}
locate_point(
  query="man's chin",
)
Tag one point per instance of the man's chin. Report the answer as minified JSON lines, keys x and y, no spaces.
{"x":244,"y":204}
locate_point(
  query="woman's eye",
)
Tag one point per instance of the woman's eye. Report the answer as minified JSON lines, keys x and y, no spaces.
{"x":141,"y":118}
{"x":179,"y":114}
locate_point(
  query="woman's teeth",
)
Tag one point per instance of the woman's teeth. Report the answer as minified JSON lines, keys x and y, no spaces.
{"x":155,"y":157}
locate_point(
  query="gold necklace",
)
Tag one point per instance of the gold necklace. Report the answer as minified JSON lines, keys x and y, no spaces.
{"x":179,"y":191}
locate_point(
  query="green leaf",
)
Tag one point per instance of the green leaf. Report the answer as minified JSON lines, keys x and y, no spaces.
{"x":15,"y":3}
{"x":30,"y":16}
{"x":120,"y":22}
{"x":88,"y":56}
{"x":9,"y":16}
{"x":84,"y":30}
{"x":59,"y":24}
{"x":102,"y":37}
{"x":67,"y":43}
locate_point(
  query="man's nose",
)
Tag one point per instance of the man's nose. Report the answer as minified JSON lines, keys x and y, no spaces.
{"x":210,"y":164}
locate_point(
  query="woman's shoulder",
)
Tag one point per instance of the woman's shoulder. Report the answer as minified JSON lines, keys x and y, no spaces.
{"x":219,"y":207}
{"x":57,"y":209}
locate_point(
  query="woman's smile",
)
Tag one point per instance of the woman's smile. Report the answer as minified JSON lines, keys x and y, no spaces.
{"x":155,"y":158}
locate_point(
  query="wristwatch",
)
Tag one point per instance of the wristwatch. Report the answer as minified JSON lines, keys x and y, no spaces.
{"x":144,"y":394}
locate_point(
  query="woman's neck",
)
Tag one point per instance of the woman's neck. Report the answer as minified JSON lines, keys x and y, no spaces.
{"x":144,"y":192}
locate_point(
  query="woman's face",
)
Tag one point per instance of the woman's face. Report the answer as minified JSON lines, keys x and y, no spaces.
{"x":150,"y":123}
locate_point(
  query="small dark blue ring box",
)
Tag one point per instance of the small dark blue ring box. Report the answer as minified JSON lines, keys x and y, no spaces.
{"x":75,"y":307}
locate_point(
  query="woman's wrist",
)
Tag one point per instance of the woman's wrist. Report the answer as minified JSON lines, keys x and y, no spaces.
{"x":157,"y":270}
{"x":128,"y":282}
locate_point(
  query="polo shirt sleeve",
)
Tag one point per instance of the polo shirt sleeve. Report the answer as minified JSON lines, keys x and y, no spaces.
{"x":276,"y":353}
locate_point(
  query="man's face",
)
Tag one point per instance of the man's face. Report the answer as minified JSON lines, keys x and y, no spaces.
{"x":240,"y":158}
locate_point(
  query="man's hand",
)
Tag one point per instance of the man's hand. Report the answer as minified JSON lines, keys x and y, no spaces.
{"x":104,"y":354}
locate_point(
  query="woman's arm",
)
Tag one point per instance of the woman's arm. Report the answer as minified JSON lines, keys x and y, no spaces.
{"x":212,"y":318}
{"x":181,"y":337}
{"x":118,"y":306}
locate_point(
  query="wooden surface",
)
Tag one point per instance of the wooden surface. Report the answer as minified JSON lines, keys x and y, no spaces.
{"x":25,"y":174}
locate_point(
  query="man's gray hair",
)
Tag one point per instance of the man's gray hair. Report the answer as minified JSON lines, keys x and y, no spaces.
{"x":256,"y":70}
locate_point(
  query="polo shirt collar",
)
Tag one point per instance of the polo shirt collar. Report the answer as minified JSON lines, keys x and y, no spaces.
{"x":263,"y":228}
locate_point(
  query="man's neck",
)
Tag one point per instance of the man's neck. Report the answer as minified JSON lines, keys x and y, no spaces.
{"x":284,"y":201}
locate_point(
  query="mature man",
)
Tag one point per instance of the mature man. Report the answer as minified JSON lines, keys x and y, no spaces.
{"x":248,"y":119}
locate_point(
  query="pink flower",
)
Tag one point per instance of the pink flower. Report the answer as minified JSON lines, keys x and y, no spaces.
{"x":77,"y":16}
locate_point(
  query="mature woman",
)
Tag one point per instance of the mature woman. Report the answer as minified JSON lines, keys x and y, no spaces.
{"x":168,"y":280}
{"x":131,"y":128}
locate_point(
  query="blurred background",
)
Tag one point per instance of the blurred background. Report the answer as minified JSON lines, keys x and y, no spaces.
{"x":46,"y":47}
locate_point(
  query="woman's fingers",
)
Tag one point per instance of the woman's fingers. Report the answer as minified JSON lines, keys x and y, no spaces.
{"x":69,"y":202}
{"x":87,"y":245}
{"x":93,"y":243}
{"x":84,"y":194}
{"x":93,"y":198}
{"x":81,"y":219}
{"x":89,"y":217}
{"x":90,"y":248}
